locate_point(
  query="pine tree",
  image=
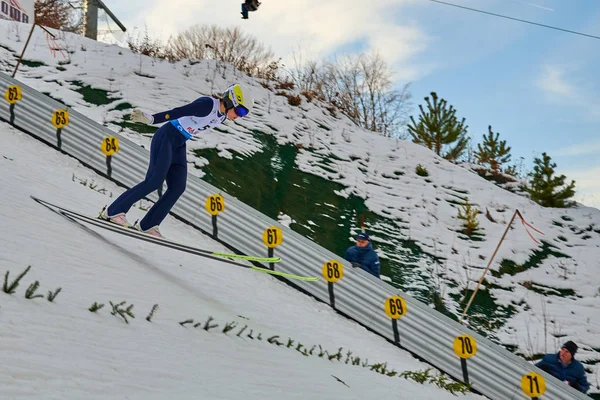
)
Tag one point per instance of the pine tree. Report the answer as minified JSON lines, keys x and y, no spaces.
{"x":493,"y":152}
{"x":511,"y":170}
{"x":438,"y":129}
{"x":547,"y":189}
{"x":469,"y":216}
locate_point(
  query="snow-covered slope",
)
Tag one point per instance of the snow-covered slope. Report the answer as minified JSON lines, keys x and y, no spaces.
{"x":549,"y":295}
{"x":61,"y":350}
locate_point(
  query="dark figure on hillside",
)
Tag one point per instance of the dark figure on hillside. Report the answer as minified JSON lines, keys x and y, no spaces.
{"x":564,"y":366}
{"x":249,"y":5}
{"x":362,"y":255}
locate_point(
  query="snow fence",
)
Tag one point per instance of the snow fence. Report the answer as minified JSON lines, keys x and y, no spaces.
{"x":410,"y":324}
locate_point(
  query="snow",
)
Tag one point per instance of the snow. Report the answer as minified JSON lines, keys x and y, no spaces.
{"x":60,"y":350}
{"x":379,"y":170}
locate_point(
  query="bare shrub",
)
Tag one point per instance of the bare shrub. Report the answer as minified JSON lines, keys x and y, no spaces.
{"x":294,"y":100}
{"x":358,"y":85}
{"x":310,"y":95}
{"x":230,"y":45}
{"x":143,"y":44}
{"x":305,"y":73}
{"x":285,"y":85}
{"x":60,"y":14}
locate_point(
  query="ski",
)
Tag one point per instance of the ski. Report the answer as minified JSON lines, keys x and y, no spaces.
{"x":228,"y":258}
{"x":246,"y":258}
{"x":130,"y":231}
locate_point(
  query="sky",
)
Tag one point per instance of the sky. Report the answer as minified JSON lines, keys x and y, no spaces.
{"x":61,"y":350}
{"x":537,"y":87}
{"x":423,"y":210}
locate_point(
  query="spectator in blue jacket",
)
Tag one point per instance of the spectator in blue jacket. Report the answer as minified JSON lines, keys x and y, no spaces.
{"x":363,"y":255}
{"x":564,"y":366}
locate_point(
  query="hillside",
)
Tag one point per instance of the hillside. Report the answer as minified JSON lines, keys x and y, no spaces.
{"x":316,"y":170}
{"x":62,"y":350}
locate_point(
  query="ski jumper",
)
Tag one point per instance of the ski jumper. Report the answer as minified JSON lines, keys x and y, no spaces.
{"x":168,"y":159}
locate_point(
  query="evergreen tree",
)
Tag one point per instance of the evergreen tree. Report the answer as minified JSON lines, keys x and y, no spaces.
{"x":545,"y":188}
{"x":468,"y":215}
{"x":493,"y":152}
{"x":511,"y":170}
{"x":438,"y":127}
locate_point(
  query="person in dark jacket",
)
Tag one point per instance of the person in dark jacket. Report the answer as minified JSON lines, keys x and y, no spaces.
{"x":564,"y":366}
{"x":249,"y":5}
{"x":363,"y":255}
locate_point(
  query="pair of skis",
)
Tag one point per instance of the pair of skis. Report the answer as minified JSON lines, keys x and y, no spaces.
{"x":228,"y":258}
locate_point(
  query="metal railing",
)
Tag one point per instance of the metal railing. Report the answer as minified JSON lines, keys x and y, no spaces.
{"x":493,"y":371}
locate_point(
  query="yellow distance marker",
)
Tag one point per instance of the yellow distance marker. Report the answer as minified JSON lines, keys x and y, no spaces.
{"x":13,"y":94}
{"x":215,"y":204}
{"x":272,"y":237}
{"x":395,"y":307}
{"x":533,"y":384}
{"x":465,"y":346}
{"x":333,"y":271}
{"x":110,"y":145}
{"x":60,"y":119}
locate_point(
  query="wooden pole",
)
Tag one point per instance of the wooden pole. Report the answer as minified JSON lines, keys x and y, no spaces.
{"x":23,"y":52}
{"x":26,"y":43}
{"x":488,"y":266}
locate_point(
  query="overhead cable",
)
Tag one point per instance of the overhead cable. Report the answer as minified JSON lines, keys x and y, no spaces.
{"x":516,"y":19}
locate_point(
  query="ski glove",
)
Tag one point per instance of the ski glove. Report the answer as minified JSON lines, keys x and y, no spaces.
{"x":140,"y":116}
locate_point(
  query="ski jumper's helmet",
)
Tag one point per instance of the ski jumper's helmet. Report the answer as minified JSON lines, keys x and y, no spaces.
{"x":238,"y":97}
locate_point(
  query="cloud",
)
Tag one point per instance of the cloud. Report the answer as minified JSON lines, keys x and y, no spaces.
{"x":323,"y":26}
{"x":554,"y":81}
{"x":579,"y":149}
{"x":587,"y":185}
{"x":562,"y":85}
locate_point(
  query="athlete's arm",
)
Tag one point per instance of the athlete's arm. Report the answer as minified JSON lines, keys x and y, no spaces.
{"x":199,"y":108}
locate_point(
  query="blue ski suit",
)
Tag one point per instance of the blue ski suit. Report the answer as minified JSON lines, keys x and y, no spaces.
{"x":168,"y":159}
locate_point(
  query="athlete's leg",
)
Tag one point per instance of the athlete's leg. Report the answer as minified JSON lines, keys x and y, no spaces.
{"x":176,"y":182}
{"x":161,"y":151}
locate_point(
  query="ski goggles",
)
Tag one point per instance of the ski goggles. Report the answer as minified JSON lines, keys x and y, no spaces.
{"x":240,"y":111}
